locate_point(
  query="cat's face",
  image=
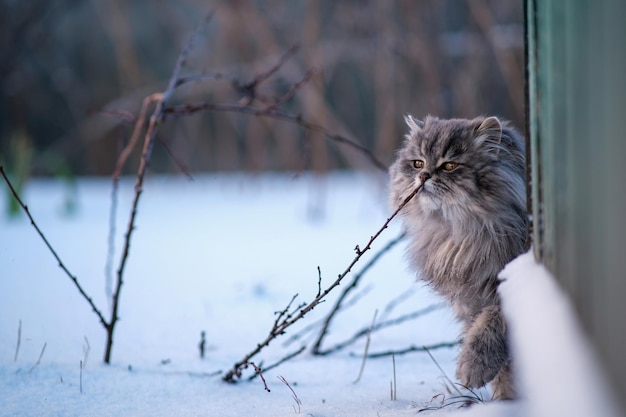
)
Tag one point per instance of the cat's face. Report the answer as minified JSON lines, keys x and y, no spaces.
{"x":451,"y":158}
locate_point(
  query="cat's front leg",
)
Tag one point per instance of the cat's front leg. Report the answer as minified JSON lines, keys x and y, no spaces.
{"x":484,"y":350}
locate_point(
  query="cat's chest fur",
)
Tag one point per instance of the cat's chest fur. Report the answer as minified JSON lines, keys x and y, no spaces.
{"x":460,"y":260}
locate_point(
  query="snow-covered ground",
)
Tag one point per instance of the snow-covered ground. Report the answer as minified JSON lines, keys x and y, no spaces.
{"x":219,"y":254}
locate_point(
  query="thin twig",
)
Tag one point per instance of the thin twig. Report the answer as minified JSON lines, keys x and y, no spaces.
{"x":108,"y":266}
{"x":43,"y":349}
{"x":293,"y":394}
{"x":293,"y":49}
{"x":292,"y":90}
{"x":140,"y":122}
{"x":258,"y":371}
{"x":394,"y":391}
{"x":410,"y":349}
{"x":317,"y":323}
{"x":86,"y":350}
{"x":205,"y":75}
{"x":300,"y":334}
{"x":393,"y":303}
{"x":180,"y":164}
{"x":134,"y":139}
{"x":367,"y":347}
{"x":276,"y":114}
{"x":279,"y":328}
{"x":19,"y":340}
{"x":319,"y":281}
{"x":280,"y":361}
{"x":270,"y":110}
{"x":381,"y":325}
{"x":52,"y":251}
{"x":317,"y":346}
{"x":124,"y":115}
{"x":157,"y":117}
{"x":285,"y":311}
{"x":427,"y":350}
{"x":249,"y":89}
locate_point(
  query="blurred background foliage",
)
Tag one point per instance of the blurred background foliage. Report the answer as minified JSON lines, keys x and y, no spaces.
{"x":74,"y":74}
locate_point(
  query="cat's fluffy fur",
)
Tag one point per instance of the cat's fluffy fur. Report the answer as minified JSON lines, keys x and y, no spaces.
{"x":468,"y":220}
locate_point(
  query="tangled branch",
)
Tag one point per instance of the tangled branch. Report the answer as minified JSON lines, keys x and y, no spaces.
{"x":146,"y":125}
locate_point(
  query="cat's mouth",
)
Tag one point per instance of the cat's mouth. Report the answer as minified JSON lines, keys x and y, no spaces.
{"x":429,"y":192}
{"x":426,"y":187}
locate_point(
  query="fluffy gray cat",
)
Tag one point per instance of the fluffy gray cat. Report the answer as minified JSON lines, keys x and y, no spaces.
{"x":467,"y":221}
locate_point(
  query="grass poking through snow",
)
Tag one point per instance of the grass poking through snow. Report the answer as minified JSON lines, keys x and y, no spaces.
{"x":458,"y":394}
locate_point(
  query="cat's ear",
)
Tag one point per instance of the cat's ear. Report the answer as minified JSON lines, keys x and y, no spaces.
{"x":413,"y":124}
{"x":489,"y":132}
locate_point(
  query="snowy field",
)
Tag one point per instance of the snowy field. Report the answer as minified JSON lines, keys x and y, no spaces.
{"x":219,"y":254}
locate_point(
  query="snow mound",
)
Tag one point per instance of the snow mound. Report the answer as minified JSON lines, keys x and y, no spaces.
{"x":557,"y":370}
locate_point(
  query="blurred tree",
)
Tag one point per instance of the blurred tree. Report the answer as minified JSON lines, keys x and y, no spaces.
{"x":68,"y":65}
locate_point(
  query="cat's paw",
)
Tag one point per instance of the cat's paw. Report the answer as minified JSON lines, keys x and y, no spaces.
{"x":484,"y":351}
{"x":473,"y":371}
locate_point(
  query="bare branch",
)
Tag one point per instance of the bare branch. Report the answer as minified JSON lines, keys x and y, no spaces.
{"x":281,"y":61}
{"x":157,"y":117}
{"x":182,"y":57}
{"x":410,"y":349}
{"x":394,"y":383}
{"x":279,"y":327}
{"x":180,"y":164}
{"x":134,"y":139}
{"x":317,"y":346}
{"x":52,"y":251}
{"x":441,"y":370}
{"x":293,"y":394}
{"x":276,"y":114}
{"x":205,"y":75}
{"x":367,"y":348}
{"x":393,"y":303}
{"x":270,"y":110}
{"x":19,"y":340}
{"x":86,"y":350}
{"x":281,"y":361}
{"x":380,"y":325}
{"x":258,"y":371}
{"x":247,"y":88}
{"x":292,"y":90}
{"x":284,"y":312}
{"x":319,"y":281}
{"x":43,"y":349}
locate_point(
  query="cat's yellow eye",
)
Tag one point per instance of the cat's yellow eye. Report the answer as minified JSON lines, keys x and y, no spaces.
{"x":417,"y":164}
{"x":450,"y":166}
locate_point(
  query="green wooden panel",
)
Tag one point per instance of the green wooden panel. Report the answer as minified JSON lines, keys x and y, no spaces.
{"x":577,"y":99}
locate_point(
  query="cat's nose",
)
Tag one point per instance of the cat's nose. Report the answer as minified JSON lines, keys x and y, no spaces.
{"x":423,"y":176}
